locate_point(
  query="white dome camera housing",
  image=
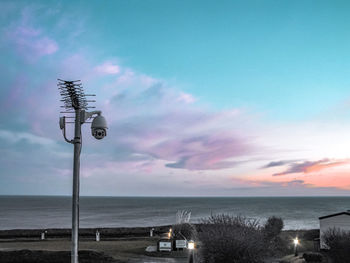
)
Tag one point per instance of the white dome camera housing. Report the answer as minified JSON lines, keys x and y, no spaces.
{"x":99,"y":127}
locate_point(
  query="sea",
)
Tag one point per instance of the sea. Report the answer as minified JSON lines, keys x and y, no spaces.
{"x":42,"y":212}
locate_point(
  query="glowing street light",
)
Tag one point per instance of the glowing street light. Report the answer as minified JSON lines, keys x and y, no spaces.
{"x":170,"y":233}
{"x":191,"y":244}
{"x":296,"y":243}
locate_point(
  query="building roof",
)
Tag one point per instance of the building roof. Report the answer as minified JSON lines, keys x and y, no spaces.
{"x":337,"y":214}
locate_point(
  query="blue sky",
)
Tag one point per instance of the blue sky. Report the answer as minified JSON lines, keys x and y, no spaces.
{"x":282,"y":51}
{"x":201,"y":96}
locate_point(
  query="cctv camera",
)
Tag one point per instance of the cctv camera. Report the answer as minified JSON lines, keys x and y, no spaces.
{"x":99,"y":127}
{"x":99,"y":133}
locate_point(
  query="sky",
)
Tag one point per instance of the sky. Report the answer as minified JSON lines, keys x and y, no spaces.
{"x":202,"y":98}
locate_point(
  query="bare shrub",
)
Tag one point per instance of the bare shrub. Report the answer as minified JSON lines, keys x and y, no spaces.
{"x":338,"y":242}
{"x":184,"y":231}
{"x":183,"y":216}
{"x":226,"y":238}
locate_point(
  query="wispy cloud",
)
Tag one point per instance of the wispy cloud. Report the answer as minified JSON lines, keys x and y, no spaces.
{"x":14,"y":137}
{"x":151,"y":121}
{"x":308,"y":166}
{"x":108,"y":68}
{"x":29,"y":39}
{"x":277,"y":163}
{"x":31,"y":42}
{"x":186,"y":97}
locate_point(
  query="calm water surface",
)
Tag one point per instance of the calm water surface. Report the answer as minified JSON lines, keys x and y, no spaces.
{"x":55,"y":212}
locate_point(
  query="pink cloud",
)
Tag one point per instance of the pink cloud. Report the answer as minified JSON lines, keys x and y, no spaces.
{"x":31,"y":43}
{"x":207,"y":152}
{"x":149,"y":117}
{"x":321,"y":174}
{"x":108,"y":68}
{"x":307,"y":166}
{"x":186,"y":97}
{"x":328,"y":185}
{"x":182,"y":136}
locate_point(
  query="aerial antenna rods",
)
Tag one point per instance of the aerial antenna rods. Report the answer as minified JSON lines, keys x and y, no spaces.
{"x":73,"y":96}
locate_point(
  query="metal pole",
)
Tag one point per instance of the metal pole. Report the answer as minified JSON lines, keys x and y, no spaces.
{"x":75,"y":201}
{"x":191,"y":258}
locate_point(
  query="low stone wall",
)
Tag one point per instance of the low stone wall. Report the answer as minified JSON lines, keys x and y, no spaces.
{"x":83,"y":232}
{"x":38,"y":256}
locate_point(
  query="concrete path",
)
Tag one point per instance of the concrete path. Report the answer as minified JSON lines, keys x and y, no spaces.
{"x":146,"y":259}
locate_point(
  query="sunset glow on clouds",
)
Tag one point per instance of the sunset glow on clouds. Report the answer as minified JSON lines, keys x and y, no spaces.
{"x":206,"y":130}
{"x":306,"y":166}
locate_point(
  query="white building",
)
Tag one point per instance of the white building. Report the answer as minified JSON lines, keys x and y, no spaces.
{"x":340,"y":221}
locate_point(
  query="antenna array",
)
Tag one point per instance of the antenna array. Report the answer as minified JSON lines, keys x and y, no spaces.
{"x":73,"y":96}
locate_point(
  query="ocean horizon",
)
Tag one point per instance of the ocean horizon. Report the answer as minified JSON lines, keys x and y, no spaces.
{"x":41,"y":212}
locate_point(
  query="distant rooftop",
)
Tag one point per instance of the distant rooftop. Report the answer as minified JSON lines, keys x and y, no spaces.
{"x":337,"y":214}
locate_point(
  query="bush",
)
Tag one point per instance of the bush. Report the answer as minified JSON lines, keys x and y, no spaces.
{"x":183,"y":229}
{"x":272,"y":230}
{"x":225,"y":239}
{"x":273,"y":227}
{"x":311,"y":234}
{"x":338,"y":243}
{"x":312,"y":257}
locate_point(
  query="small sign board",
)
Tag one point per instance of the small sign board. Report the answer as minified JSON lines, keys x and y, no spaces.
{"x":181,"y":244}
{"x":165,"y":245}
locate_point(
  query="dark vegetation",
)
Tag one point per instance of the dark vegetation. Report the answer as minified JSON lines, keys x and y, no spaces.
{"x":313,"y":257}
{"x":338,"y":243}
{"x":30,"y":256}
{"x":225,"y":238}
{"x":271,"y":231}
{"x":311,"y":234}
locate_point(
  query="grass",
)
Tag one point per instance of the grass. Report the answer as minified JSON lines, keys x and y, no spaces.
{"x":121,"y":249}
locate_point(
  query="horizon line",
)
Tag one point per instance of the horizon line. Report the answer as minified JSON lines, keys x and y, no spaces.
{"x":176,"y":196}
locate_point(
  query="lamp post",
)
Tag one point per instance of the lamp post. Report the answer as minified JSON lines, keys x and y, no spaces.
{"x":296,"y":243}
{"x":75,"y":102}
{"x":170,"y":233}
{"x":191,"y":246}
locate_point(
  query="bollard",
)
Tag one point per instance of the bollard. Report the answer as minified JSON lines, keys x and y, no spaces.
{"x":43,"y":235}
{"x":296,"y":243}
{"x":97,"y":236}
{"x":191,"y":246}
